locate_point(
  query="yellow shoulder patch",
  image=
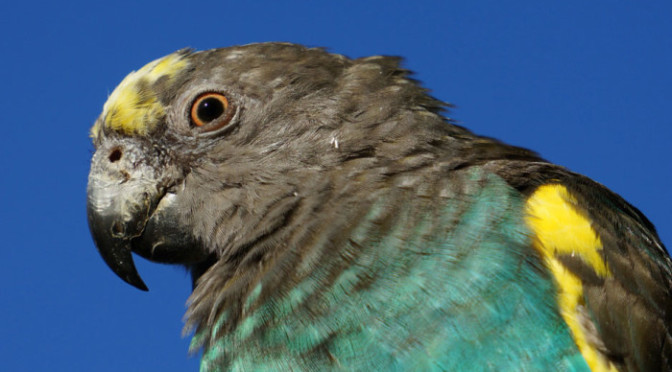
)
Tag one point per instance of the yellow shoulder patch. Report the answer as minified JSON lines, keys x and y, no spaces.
{"x":133,"y":107}
{"x":560,"y":227}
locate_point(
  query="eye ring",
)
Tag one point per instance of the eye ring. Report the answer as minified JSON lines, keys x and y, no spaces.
{"x":210,"y":111}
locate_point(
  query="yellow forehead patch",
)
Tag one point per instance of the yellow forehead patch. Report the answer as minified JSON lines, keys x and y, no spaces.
{"x":133,"y":107}
{"x":560,"y":228}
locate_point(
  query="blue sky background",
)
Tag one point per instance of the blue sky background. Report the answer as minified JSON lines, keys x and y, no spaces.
{"x":588,"y":84}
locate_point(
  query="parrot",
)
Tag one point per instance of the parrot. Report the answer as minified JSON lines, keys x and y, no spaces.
{"x":332,"y":216}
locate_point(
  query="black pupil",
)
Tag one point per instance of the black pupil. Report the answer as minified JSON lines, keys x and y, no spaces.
{"x":210,"y":109}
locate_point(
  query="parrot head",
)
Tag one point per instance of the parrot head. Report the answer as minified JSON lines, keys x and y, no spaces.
{"x":204,"y":155}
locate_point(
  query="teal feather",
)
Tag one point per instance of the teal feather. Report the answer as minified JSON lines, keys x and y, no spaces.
{"x":419,"y":291}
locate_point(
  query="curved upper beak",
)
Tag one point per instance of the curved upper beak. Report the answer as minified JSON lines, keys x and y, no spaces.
{"x":112,"y":234}
{"x":122,"y":193}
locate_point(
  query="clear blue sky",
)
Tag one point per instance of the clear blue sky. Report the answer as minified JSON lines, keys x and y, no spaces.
{"x":588,"y":84}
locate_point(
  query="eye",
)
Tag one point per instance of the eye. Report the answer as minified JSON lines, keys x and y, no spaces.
{"x":210,"y":111}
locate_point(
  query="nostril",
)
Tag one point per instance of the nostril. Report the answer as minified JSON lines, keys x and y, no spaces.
{"x":115,"y":155}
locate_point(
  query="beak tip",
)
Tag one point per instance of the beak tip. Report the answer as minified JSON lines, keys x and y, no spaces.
{"x":120,"y":261}
{"x":136,"y":281}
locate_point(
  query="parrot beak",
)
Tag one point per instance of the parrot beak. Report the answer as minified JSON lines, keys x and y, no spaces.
{"x":113,"y":246}
{"x":132,"y":207}
{"x":122,"y":193}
